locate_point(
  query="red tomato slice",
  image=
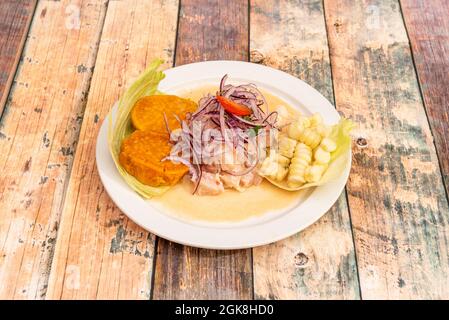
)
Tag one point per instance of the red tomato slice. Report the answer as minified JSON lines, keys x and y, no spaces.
{"x":234,"y":107}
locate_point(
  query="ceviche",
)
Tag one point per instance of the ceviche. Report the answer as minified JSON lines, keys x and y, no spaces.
{"x":230,"y":139}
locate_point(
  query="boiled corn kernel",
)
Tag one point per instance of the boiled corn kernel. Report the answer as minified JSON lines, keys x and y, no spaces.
{"x":321,"y":156}
{"x":328,"y":145}
{"x":316,"y":120}
{"x":296,"y":128}
{"x":283,"y":115}
{"x":268,"y":168}
{"x":323,"y":130}
{"x":296,"y":176}
{"x":314,"y":173}
{"x":281,"y":173}
{"x":310,"y":137}
{"x":286,"y":146}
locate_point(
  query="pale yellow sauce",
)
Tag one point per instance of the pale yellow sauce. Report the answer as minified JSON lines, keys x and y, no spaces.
{"x":231,"y":205}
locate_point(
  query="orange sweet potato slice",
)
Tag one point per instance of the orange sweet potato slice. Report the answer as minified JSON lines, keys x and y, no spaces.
{"x":148,"y":112}
{"x":141,"y":154}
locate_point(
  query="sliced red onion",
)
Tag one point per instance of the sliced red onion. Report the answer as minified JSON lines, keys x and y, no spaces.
{"x":203,"y":105}
{"x":229,"y":93}
{"x":166,"y":125}
{"x":198,"y":181}
{"x":269,"y":115}
{"x":251,"y":123}
{"x":178,"y":119}
{"x":222,"y":124}
{"x":243,"y":94}
{"x":222,"y":82}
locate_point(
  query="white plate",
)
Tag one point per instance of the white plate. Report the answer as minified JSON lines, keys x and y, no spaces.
{"x":245,"y":234}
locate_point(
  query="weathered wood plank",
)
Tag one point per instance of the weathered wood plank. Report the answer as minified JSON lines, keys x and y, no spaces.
{"x":15,"y":19}
{"x":318,"y":262}
{"x":397,"y":201}
{"x":427,"y":25}
{"x":99,"y":252}
{"x":208,"y":30}
{"x":39,"y":130}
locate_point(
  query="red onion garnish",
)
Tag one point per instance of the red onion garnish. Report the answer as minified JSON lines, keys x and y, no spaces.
{"x":229,"y":127}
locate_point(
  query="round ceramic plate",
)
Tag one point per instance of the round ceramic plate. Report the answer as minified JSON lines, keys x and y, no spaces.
{"x":247,"y":233}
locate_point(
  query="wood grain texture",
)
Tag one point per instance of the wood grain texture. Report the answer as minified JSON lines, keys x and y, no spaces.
{"x":208,"y":30}
{"x":39,"y":130}
{"x":427,"y":25}
{"x":318,"y":262}
{"x":15,"y":19}
{"x":101,"y":254}
{"x":397,"y":200}
{"x":212,"y":30}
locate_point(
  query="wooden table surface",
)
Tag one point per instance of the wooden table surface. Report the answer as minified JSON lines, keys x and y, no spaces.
{"x":383,"y":63}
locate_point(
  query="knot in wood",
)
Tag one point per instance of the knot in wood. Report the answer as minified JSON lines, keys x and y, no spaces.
{"x":361,"y":142}
{"x":256,"y":56}
{"x":338,"y":24}
{"x":301,"y":259}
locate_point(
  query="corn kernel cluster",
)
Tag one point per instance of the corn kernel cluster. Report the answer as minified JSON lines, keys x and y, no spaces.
{"x":304,"y":152}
